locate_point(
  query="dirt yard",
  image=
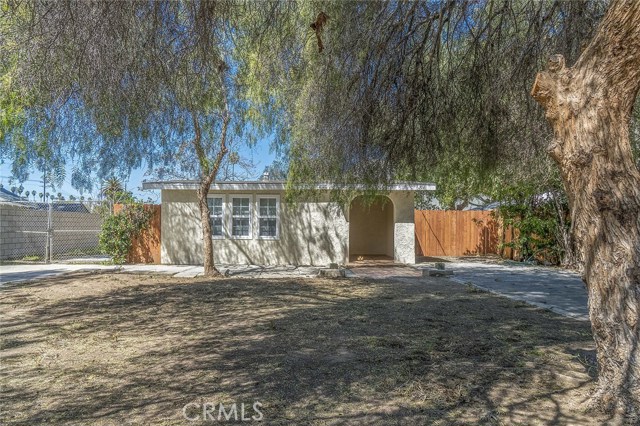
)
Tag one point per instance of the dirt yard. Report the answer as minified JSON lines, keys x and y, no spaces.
{"x":125,"y":349}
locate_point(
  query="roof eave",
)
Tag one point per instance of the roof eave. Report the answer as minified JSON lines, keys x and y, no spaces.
{"x":278,"y":186}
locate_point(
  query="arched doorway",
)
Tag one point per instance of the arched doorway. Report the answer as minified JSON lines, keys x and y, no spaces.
{"x":371,"y":229}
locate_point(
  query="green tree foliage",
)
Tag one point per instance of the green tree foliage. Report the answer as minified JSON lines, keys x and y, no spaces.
{"x":542,"y":224}
{"x":118,"y":83}
{"x":11,"y":102}
{"x":112,"y":93}
{"x":433,"y":91}
{"x":277,"y":170}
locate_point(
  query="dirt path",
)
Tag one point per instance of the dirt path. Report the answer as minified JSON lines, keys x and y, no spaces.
{"x":119,"y":349}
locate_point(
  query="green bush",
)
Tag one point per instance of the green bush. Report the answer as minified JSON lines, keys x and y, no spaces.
{"x":540,"y":228}
{"x":119,"y":230}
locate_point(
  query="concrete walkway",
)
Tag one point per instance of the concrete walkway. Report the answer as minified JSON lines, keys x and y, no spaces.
{"x":557,"y":290}
{"x":14,"y":273}
{"x":21,"y":272}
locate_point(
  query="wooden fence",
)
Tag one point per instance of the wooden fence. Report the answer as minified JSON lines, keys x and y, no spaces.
{"x":146,"y":246}
{"x":458,"y":233}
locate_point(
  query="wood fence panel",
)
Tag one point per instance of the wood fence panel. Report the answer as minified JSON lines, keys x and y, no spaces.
{"x":145,"y":248}
{"x":456,"y":233}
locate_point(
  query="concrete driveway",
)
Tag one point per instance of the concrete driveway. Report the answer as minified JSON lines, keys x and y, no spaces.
{"x":19,"y":273}
{"x":555,"y":289}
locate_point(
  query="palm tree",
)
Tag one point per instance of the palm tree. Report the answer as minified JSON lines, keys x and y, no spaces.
{"x":33,"y":193}
{"x":14,"y":189}
{"x":41,"y":195}
{"x":112,"y":190}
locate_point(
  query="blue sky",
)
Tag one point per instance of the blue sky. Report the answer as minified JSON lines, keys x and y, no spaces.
{"x":260,"y":155}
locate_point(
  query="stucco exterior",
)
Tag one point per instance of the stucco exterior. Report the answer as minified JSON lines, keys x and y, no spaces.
{"x":314,"y":232}
{"x":311,"y":233}
{"x":404,"y":229}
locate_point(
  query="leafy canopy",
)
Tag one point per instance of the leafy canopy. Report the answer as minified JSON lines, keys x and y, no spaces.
{"x":113,"y":85}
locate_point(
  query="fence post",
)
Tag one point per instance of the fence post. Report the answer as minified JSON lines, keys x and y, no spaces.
{"x":49,"y":248}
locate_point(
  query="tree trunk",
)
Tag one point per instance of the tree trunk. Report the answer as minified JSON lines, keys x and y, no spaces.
{"x":208,"y":173}
{"x":209,"y":264}
{"x":589,"y":106}
{"x":564,"y":237}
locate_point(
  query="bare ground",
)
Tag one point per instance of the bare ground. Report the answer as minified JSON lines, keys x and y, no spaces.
{"x":124,"y":349}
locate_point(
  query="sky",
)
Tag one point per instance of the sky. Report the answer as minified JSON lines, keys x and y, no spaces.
{"x":260,"y":155}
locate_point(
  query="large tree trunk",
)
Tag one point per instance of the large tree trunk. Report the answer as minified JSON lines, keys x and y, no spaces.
{"x":589,"y":106}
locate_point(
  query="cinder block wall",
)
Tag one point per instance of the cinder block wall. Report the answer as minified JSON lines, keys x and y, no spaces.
{"x":15,"y":243}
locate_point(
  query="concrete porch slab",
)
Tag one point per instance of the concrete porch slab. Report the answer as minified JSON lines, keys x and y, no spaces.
{"x":380,"y":272}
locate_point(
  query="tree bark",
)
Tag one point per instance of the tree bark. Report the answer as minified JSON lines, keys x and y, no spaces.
{"x":209,"y":172}
{"x":589,"y":107}
{"x":209,"y":264}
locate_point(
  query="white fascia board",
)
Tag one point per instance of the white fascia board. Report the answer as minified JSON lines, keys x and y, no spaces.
{"x":280,"y":186}
{"x":218,"y":186}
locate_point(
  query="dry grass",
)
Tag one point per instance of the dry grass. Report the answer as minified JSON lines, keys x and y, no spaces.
{"x":120,"y":349}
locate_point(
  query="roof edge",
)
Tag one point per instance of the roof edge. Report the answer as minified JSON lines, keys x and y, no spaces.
{"x":279,"y":186}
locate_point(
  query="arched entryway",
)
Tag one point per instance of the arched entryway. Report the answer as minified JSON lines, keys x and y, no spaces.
{"x":371,"y":229}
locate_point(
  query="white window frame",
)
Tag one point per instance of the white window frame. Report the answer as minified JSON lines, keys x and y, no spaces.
{"x":250,"y":217}
{"x":277,"y":217}
{"x":224,"y":213}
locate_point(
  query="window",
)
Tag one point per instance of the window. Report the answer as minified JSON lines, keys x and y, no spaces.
{"x":268,"y":217}
{"x":241,"y":217}
{"x":216,"y":213}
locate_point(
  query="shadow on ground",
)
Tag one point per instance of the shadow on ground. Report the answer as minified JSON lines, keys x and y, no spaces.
{"x":113,"y":349}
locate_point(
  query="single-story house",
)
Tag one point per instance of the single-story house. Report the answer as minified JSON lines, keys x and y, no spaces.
{"x":253,"y":224}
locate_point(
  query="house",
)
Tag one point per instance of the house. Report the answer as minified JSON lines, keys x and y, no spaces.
{"x":253,"y":224}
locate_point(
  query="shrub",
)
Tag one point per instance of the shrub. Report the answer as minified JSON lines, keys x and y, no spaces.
{"x":119,"y":230}
{"x":542,"y":224}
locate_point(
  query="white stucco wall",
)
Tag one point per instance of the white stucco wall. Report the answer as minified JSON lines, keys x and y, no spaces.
{"x":311,"y":232}
{"x":404,"y":228}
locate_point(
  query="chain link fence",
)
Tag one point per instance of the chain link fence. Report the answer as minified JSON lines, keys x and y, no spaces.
{"x":46,"y":232}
